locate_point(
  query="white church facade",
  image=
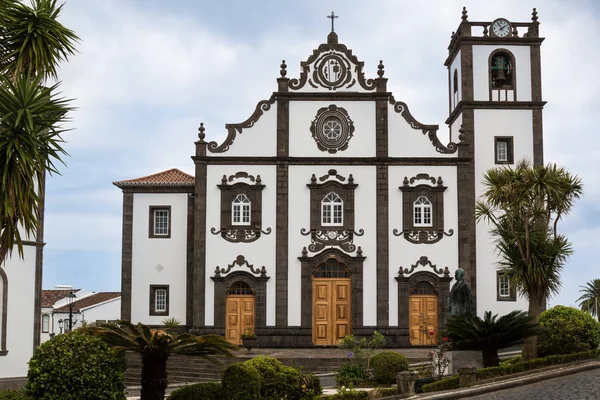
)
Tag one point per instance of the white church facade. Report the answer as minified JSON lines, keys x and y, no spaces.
{"x":332,"y":209}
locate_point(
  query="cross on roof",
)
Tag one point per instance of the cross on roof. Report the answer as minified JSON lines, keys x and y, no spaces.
{"x":332,"y":17}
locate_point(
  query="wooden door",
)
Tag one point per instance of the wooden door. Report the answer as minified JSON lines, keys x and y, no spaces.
{"x":240,"y":316}
{"x":423,"y":319}
{"x":331,"y":310}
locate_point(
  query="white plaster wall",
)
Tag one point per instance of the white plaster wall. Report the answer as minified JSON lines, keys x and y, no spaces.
{"x":490,"y":123}
{"x":481,"y":54}
{"x":220,"y":252}
{"x":260,"y":140}
{"x":109,"y":311}
{"x":302,"y":113}
{"x":21,"y":293}
{"x":404,"y":141}
{"x":148,"y":253}
{"x":455,"y":65}
{"x":402,"y":252}
{"x":364,"y":218}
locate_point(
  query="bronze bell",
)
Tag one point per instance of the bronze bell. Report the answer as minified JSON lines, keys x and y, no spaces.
{"x":500,"y":77}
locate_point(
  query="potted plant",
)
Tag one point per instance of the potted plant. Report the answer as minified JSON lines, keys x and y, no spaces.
{"x":249,"y":339}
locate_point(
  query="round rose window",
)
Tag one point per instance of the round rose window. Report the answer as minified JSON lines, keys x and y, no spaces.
{"x":332,"y":129}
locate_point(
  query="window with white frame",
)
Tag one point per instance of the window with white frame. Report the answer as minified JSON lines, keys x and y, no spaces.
{"x":503,"y":149}
{"x":332,"y":210}
{"x":160,"y":222}
{"x":503,"y":286}
{"x":422,"y":212}
{"x":159,"y":300}
{"x":45,"y":323}
{"x":240,"y":210}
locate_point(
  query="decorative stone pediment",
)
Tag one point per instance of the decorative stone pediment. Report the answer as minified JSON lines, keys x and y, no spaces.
{"x":332,"y":66}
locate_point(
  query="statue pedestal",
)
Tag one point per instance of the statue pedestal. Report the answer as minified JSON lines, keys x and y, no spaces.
{"x":464,"y":358}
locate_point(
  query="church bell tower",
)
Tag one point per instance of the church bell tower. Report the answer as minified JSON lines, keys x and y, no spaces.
{"x":495,"y":110}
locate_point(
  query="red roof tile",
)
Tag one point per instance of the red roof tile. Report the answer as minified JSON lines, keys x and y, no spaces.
{"x":171,"y":177}
{"x":49,"y":297}
{"x":91,"y":300}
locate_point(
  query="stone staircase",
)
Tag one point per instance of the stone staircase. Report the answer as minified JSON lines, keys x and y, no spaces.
{"x":188,"y":369}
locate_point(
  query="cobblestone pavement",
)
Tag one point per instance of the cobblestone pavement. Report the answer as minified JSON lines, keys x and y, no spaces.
{"x":581,"y":386}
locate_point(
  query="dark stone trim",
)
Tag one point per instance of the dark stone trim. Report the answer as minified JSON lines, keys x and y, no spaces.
{"x":13,"y":383}
{"x":189,"y":263}
{"x":510,"y":149}
{"x":283,"y":126}
{"x":227,"y":160}
{"x":332,"y":96}
{"x":513,"y":291}
{"x":441,"y":285}
{"x":429,"y":130}
{"x":258,"y":284}
{"x":381,"y":127}
{"x":200,"y":232}
{"x":466,"y":74}
{"x":126,"y":255}
{"x":39,"y":266}
{"x":159,"y":189}
{"x":383,"y":252}
{"x":152,"y":303}
{"x":4,"y":300}
{"x":151,"y":211}
{"x":353,"y":263}
{"x":536,"y":95}
{"x":467,"y":255}
{"x":281,"y":247}
{"x":234,"y":129}
{"x":463,"y":41}
{"x":462,"y":106}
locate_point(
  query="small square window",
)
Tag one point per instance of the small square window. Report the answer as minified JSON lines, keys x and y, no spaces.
{"x":504,"y":290}
{"x":159,"y":300}
{"x":503,"y":150}
{"x":160,"y":222}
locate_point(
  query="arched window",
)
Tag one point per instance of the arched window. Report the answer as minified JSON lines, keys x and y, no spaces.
{"x":332,"y":268}
{"x":455,"y":88}
{"x":240,"y":287}
{"x":240,"y":212}
{"x":331,"y":210}
{"x":422,"y":212}
{"x":423,"y":288}
{"x":502,"y":76}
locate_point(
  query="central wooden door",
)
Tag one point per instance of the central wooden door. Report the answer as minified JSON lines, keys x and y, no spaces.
{"x":423,"y":317}
{"x":331,"y":310}
{"x":240,"y":309}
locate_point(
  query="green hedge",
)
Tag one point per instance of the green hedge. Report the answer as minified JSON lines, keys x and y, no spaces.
{"x":493,"y":372}
{"x":567,"y":330}
{"x":202,"y":390}
{"x":384,"y":392}
{"x":348,"y":394}
{"x":442,"y":384}
{"x":386,"y":366}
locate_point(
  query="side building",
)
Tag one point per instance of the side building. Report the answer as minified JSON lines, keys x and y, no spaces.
{"x":332,"y":210}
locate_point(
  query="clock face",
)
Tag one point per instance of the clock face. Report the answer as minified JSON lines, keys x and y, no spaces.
{"x":501,"y":27}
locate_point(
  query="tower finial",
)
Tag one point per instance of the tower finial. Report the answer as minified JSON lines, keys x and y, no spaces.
{"x":283,"y":71}
{"x":201,"y":134}
{"x":534,"y":16}
{"x":332,"y":17}
{"x":380,"y":69}
{"x":465,"y":16}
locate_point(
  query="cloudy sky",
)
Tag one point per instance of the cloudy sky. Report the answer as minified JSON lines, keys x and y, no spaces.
{"x":149,"y":71}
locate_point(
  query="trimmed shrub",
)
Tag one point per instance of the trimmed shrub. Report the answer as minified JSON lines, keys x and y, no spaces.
{"x":349,"y":394}
{"x":13,"y":395}
{"x":350,"y":374}
{"x":75,"y":366}
{"x":310,"y":385}
{"x":386,"y":366}
{"x":443,"y":384}
{"x":566,"y":330}
{"x":202,"y":390}
{"x":241,"y":381}
{"x":383,"y":392}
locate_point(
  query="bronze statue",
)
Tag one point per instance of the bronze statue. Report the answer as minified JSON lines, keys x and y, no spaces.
{"x":460,"y":299}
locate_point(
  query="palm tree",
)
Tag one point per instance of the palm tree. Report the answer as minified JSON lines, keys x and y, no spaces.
{"x":590,"y":295}
{"x":469,"y":332}
{"x":524,"y":205}
{"x":155,"y":347}
{"x":32,"y":44}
